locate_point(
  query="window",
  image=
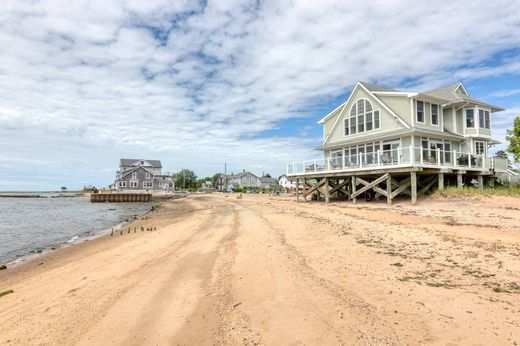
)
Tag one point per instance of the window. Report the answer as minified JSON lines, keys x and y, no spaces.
{"x":134,"y":175}
{"x":435,"y":114}
{"x":447,"y":151}
{"x":353,"y":112}
{"x":122,"y":184}
{"x":479,"y":148}
{"x":370,"y":122}
{"x":362,"y":118}
{"x":147,"y":184}
{"x":376,"y":119}
{"x":470,"y":118}
{"x":147,"y":176}
{"x":425,"y":151}
{"x":133,"y":183}
{"x":420,"y":111}
{"x":353,"y":155}
{"x":361,"y":123}
{"x":481,"y":118}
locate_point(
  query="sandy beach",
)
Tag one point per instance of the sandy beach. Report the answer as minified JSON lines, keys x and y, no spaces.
{"x":267,"y":270}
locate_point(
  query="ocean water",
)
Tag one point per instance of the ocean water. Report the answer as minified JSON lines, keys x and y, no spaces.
{"x":33,"y":225}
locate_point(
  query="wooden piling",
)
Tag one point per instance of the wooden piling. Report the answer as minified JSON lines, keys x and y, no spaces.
{"x":480,"y":180}
{"x":354,"y":183}
{"x":413,"y":187}
{"x":441,"y":181}
{"x":459,"y":180}
{"x":389,"y":189}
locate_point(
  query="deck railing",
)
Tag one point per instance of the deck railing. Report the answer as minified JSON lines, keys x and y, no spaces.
{"x":400,"y":157}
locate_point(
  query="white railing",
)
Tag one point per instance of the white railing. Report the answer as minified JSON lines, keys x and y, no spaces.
{"x":400,"y":157}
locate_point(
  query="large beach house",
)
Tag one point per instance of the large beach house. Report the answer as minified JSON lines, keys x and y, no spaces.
{"x":140,"y":174}
{"x":385,"y":142}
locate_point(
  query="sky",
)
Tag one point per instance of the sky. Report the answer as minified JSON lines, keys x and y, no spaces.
{"x":200,"y":84}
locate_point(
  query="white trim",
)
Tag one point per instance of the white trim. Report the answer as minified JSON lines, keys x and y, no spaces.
{"x":325,"y":118}
{"x":463,"y":88}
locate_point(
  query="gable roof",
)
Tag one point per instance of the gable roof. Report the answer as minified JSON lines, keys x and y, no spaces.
{"x":374,"y":88}
{"x":130,"y":162}
{"x":133,"y":169}
{"x":455,"y":93}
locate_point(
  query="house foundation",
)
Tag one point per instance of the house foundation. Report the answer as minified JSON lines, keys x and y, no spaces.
{"x":376,"y":184}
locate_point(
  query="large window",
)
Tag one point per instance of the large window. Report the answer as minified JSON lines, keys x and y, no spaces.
{"x":122,"y":184}
{"x":435,"y":114}
{"x":419,"y":108}
{"x":133,"y":183}
{"x":483,"y":119}
{"x":470,"y":118}
{"x":147,"y":184}
{"x":362,"y":118}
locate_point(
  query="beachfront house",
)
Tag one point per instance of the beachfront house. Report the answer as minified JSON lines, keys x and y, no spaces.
{"x":240,"y":181}
{"x":285,"y":182}
{"x":140,"y":174}
{"x":385,"y":142}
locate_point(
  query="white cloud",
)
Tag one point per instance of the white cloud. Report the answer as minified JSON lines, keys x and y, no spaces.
{"x":83,"y":83}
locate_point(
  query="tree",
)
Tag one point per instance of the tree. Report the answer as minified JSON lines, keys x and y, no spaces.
{"x":185,"y":179}
{"x":267,"y":175}
{"x":214,"y":179}
{"x":513,"y":137}
{"x":63,"y":188}
{"x":501,"y":154}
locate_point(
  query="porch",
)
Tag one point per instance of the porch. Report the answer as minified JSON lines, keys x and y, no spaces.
{"x":397,"y":158}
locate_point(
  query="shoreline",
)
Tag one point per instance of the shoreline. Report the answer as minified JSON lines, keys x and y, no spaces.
{"x":75,"y":240}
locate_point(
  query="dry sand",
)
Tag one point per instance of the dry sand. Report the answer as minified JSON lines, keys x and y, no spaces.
{"x":267,"y":270}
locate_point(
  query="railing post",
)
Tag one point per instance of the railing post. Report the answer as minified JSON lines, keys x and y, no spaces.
{"x":421,"y":155}
{"x":438,"y":157}
{"x":469,"y":160}
{"x":398,"y":156}
{"x":343,"y":160}
{"x":412,"y":155}
{"x":315,"y":167}
{"x":360,"y":160}
{"x":378,"y":161}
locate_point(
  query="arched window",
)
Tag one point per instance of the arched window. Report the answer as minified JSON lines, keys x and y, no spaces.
{"x":362,"y":118}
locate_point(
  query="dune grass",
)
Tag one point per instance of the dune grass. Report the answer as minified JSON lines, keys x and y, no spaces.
{"x":499,"y":190}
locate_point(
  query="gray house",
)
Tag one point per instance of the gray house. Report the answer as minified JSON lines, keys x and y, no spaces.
{"x":140,"y":174}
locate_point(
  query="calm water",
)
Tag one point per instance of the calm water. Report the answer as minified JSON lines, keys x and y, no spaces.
{"x":32,"y":225}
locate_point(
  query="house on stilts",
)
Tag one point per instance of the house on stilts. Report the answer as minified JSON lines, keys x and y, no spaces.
{"x":383,"y":143}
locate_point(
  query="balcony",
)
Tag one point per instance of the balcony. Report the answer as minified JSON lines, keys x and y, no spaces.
{"x":398,"y":158}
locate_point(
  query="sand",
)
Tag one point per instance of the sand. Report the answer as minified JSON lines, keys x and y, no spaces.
{"x":267,"y":270}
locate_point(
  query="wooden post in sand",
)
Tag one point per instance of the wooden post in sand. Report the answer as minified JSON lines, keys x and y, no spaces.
{"x":480,"y":180}
{"x":441,"y":181}
{"x":459,"y":181}
{"x":297,"y":190}
{"x":389,"y":189}
{"x":326,"y":190}
{"x":413,"y":187}
{"x":354,"y":182}
{"x":304,"y":188}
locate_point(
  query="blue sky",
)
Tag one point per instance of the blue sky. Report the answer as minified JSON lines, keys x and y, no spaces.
{"x":198,"y":84}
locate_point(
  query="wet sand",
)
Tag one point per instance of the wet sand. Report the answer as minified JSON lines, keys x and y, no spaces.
{"x":267,"y":270}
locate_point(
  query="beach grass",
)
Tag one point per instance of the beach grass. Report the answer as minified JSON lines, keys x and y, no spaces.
{"x":471,"y":191}
{"x":3,"y":266}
